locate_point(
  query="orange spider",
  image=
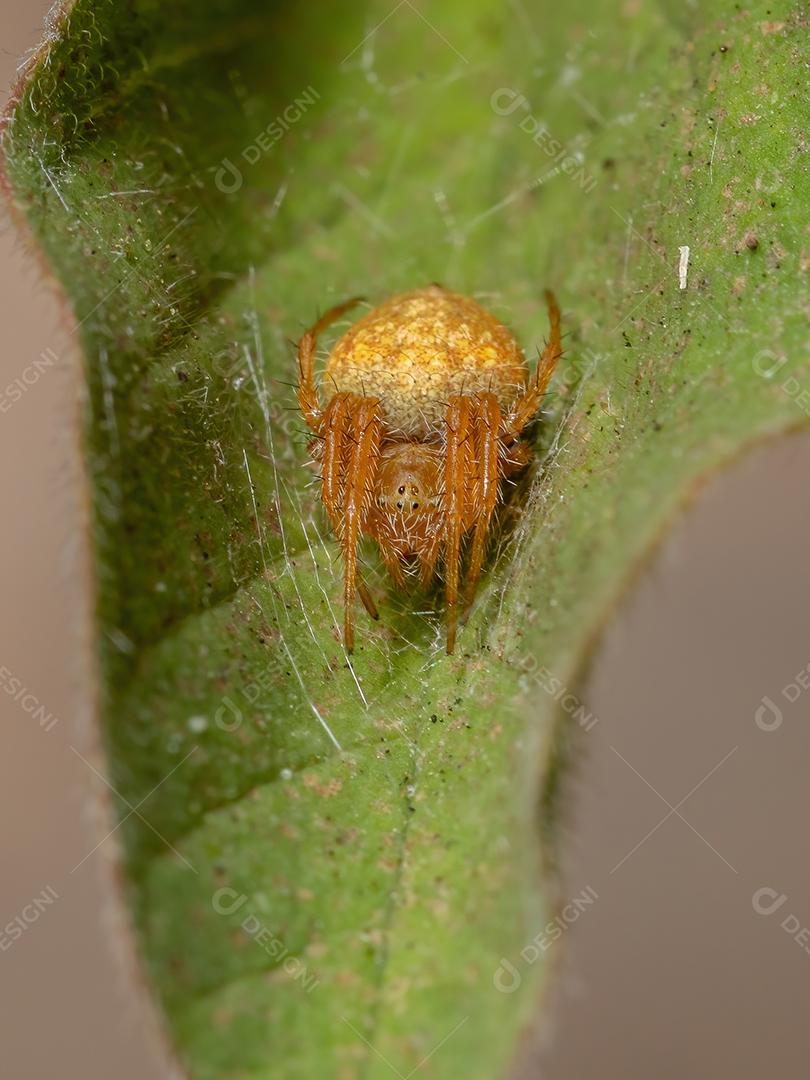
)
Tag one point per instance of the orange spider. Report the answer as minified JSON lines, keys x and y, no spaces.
{"x":432,"y":395}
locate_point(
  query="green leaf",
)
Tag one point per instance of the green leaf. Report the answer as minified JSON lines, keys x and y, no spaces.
{"x":334,"y":867}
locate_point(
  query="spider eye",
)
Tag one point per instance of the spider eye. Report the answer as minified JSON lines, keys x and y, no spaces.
{"x":401,"y":489}
{"x":399,"y":506}
{"x":414,"y":506}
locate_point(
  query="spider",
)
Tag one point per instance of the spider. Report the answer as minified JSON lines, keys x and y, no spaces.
{"x":432,"y":396}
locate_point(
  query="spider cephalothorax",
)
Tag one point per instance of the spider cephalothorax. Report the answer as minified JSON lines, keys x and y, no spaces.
{"x":431,"y":395}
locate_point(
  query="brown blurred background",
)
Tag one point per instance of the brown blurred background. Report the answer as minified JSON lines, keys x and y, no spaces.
{"x":669,"y":973}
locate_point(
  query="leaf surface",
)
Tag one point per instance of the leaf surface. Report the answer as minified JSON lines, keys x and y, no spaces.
{"x":330,"y":863}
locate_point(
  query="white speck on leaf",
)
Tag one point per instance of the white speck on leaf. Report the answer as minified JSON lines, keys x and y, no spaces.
{"x":683,"y":266}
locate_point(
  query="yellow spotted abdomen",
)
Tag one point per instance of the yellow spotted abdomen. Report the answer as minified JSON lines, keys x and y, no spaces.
{"x":417,"y":348}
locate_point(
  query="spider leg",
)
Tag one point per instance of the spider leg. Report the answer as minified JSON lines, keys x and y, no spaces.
{"x":308,"y":400}
{"x":335,"y":431}
{"x":527,"y":404}
{"x":487,"y":475}
{"x":362,"y":453}
{"x":429,"y":556}
{"x":515,"y":457}
{"x":458,"y":466}
{"x":368,"y":600}
{"x":352,"y":430}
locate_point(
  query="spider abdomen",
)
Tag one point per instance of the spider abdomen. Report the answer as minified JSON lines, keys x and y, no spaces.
{"x":417,"y":349}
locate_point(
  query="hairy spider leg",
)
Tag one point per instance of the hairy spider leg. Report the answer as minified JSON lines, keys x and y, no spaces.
{"x":486,"y":481}
{"x":458,"y":470}
{"x":336,"y":424}
{"x":527,"y":404}
{"x":308,"y":399}
{"x":351,"y":453}
{"x":367,"y":598}
{"x":429,"y":556}
{"x":331,"y":425}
